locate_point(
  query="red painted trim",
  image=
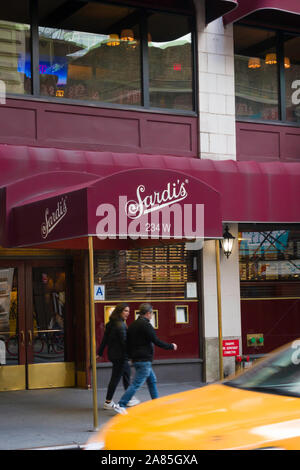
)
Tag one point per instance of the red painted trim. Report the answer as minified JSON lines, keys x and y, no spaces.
{"x":247,"y":7}
{"x":267,"y":142}
{"x":86,"y":127}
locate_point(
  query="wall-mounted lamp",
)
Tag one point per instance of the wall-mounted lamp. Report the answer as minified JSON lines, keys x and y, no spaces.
{"x":227,"y":242}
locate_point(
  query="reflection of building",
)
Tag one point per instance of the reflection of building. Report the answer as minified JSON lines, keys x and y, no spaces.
{"x":13,"y":40}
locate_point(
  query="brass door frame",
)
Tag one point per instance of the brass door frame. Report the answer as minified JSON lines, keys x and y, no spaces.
{"x":27,"y":374}
{"x":13,"y":377}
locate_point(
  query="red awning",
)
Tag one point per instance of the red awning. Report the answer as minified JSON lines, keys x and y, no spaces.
{"x":139,"y":204}
{"x":265,"y":192}
{"x":284,"y":9}
{"x":217,"y":8}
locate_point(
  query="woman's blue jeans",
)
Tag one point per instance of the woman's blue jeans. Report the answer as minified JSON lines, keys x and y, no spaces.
{"x":143,"y":373}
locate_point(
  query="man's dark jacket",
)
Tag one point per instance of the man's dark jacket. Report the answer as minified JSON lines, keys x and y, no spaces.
{"x":115,"y":340}
{"x":140,"y":339}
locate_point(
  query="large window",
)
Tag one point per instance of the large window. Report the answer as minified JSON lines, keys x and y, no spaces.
{"x":267,"y":74}
{"x":147,"y":273}
{"x":170,"y":62}
{"x":99,"y":52}
{"x":270,"y":262}
{"x":92,"y":60}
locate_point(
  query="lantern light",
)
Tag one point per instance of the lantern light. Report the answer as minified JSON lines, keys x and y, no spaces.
{"x":227,"y":242}
{"x":127,"y":35}
{"x":254,"y":63}
{"x":113,"y":40}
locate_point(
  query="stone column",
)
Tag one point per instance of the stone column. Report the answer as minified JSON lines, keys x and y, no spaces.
{"x":216,"y":87}
{"x":217,"y":140}
{"x":230,"y":296}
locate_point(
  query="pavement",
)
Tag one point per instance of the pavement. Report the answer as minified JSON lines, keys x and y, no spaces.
{"x":61,"y":418}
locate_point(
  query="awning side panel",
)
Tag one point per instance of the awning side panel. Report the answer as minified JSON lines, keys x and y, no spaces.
{"x":248,"y":7}
{"x":216,"y":8}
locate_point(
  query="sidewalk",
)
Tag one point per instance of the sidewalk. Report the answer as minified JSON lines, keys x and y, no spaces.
{"x":59,"y":417}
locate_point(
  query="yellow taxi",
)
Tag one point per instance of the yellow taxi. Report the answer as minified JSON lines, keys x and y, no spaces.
{"x":257,"y":409}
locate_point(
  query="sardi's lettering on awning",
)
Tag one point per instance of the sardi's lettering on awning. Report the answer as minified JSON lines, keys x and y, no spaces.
{"x":156,"y":214}
{"x":136,"y":204}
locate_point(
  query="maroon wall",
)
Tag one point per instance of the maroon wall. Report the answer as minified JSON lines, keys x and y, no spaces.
{"x":186,"y":336}
{"x":44,"y":124}
{"x":266,"y":142}
{"x":277,"y":319}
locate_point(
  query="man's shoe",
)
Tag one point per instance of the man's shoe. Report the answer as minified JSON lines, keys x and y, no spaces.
{"x":119,"y":409}
{"x":134,"y":401}
{"x":109,"y":406}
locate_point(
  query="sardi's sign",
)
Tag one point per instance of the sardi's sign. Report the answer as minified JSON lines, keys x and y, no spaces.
{"x":54,"y":217}
{"x":136,"y":204}
{"x":156,"y":211}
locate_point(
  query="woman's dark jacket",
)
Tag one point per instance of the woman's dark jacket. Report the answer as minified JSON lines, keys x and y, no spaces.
{"x":115,"y":340}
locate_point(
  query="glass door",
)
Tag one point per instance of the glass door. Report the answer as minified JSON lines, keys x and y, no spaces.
{"x":12,"y":326}
{"x":35,"y":325}
{"x":47,"y":315}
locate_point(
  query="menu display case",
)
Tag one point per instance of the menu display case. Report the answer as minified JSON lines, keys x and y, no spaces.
{"x":6,"y":280}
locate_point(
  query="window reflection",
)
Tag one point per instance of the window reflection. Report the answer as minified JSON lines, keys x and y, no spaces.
{"x":256,"y":73}
{"x":269,"y":263}
{"x":101,"y":64}
{"x":170,"y":62}
{"x":292,"y":77}
{"x":49,"y":287}
{"x":15,"y":62}
{"x":9,"y":347}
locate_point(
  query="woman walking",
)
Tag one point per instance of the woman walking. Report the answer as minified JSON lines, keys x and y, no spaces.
{"x":115,"y":339}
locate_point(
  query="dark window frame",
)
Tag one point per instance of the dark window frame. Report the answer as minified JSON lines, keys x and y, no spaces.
{"x":280,"y":74}
{"x":145,"y":105}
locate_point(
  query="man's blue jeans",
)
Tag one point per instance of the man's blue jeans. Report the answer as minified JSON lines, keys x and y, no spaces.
{"x":143,"y":373}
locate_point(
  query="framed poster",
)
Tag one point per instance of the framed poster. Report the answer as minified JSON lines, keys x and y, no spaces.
{"x":154,"y":319}
{"x":191,"y":290}
{"x":108,"y":309}
{"x":181,"y":314}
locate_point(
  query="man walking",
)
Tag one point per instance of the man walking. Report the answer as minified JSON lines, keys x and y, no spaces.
{"x":140,"y":339}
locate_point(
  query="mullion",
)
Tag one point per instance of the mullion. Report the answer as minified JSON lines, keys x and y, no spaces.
{"x":195,"y":70}
{"x":144,"y":60}
{"x":35,"y":75}
{"x":281,"y":76}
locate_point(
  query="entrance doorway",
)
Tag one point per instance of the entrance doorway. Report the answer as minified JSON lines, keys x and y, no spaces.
{"x":35,"y":338}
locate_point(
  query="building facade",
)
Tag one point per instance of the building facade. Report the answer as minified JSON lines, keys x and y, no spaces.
{"x":93,"y":89}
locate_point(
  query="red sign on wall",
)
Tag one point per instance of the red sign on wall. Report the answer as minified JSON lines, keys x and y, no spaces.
{"x":177,"y":67}
{"x":231,"y":347}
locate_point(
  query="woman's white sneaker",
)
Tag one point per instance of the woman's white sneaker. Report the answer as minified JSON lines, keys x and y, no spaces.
{"x":109,"y":406}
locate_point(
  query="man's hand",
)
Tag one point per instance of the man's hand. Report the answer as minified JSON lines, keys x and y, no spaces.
{"x":174,"y":346}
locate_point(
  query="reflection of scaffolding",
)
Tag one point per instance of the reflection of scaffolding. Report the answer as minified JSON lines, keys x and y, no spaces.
{"x":269,"y":255}
{"x":261,"y":95}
